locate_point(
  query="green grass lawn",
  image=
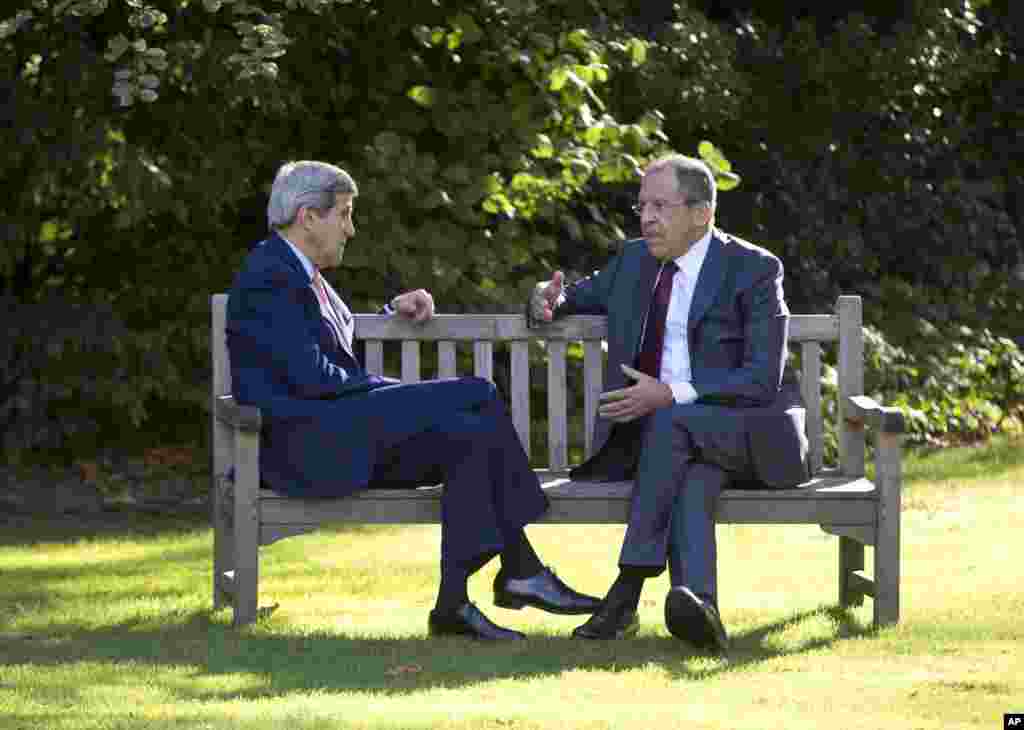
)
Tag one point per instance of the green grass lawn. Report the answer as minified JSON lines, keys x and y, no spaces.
{"x":109,"y":626}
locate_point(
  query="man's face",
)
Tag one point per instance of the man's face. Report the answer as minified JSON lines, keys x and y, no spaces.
{"x":328,"y":234}
{"x":669,"y":225}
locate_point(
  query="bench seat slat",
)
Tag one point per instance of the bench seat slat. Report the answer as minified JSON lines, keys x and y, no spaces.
{"x":834,"y":500}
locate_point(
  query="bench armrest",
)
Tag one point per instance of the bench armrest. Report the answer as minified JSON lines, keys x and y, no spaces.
{"x":243,"y":418}
{"x":862,"y":410}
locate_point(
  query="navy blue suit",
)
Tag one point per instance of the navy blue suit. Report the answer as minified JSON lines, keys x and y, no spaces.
{"x":332,"y":429}
{"x":746,"y":426}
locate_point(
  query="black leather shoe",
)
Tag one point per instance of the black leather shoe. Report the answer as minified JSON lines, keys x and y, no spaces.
{"x":468,"y":620}
{"x":614,"y":620}
{"x":695,"y":620}
{"x":544,"y":591}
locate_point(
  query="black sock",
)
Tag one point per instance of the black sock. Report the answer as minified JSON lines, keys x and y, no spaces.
{"x":519,"y":559}
{"x":454,"y":578}
{"x":628,"y":586}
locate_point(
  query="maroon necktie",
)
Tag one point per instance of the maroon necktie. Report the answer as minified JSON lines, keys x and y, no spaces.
{"x":649,"y":359}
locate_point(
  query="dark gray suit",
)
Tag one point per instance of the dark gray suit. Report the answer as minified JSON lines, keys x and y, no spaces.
{"x":746,"y":427}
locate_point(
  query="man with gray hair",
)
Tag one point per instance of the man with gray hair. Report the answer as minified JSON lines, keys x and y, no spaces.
{"x":696,"y":398}
{"x":331,"y":429}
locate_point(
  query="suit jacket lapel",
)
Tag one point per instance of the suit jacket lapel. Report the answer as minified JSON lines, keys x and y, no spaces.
{"x":282,"y":250}
{"x":709,"y":281}
{"x":649,"y":266}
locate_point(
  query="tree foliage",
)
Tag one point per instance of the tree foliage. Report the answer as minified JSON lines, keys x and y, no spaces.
{"x":492,"y":142}
{"x":144,"y":137}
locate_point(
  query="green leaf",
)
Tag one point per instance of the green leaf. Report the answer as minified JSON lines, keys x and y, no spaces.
{"x":578,"y":39}
{"x":116,"y":47}
{"x":637,"y":51}
{"x":544,"y":150}
{"x":422,"y":95}
{"x":558,"y":78}
{"x":714,"y":157}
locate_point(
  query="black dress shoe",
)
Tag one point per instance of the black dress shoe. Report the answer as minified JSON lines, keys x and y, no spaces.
{"x":614,"y":620}
{"x":544,"y":591}
{"x":691,"y":618}
{"x":468,"y":620}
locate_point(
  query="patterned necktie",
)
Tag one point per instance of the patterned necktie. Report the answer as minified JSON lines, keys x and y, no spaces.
{"x":649,"y":359}
{"x":328,"y":311}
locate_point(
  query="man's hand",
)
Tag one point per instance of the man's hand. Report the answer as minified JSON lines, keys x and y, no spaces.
{"x":415,"y":305}
{"x":636,"y":401}
{"x":545,"y":298}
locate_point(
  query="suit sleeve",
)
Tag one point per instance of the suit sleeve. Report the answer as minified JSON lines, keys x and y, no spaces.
{"x":268,"y":331}
{"x":757,"y":380}
{"x":586,"y":296}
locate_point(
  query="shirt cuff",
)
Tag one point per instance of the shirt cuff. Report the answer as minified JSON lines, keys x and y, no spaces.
{"x":683,"y":393}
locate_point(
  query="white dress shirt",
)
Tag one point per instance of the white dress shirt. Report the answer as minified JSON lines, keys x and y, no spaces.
{"x":675,"y":356}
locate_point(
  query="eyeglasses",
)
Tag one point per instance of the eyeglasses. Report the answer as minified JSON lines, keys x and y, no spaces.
{"x":659,"y":206}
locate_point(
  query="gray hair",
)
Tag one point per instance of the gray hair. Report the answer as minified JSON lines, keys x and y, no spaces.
{"x":693,"y":177}
{"x":305,"y":184}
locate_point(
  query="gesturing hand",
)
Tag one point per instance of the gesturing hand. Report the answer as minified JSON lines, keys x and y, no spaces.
{"x":636,"y":401}
{"x":416,"y":305}
{"x":545,"y":298}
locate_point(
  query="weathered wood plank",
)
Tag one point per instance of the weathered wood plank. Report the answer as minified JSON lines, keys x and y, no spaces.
{"x":483,"y":360}
{"x":888,"y":467}
{"x":592,"y":378}
{"x":519,"y":366}
{"x":864,"y":410}
{"x":246,"y":525}
{"x":375,"y":357}
{"x":810,"y":384}
{"x":834,"y":501}
{"x":446,"y":359}
{"x":819,"y":327}
{"x":219,"y":346}
{"x":222,"y":438}
{"x":558,"y":430}
{"x":245,"y":418}
{"x":851,"y":383}
{"x":410,"y":361}
{"x":851,"y":559}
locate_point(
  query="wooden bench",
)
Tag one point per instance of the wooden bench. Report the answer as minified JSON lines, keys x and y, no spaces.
{"x":839,"y":499}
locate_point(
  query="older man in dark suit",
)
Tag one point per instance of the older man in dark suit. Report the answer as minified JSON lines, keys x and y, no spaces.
{"x":332,"y":429}
{"x":696,"y":398}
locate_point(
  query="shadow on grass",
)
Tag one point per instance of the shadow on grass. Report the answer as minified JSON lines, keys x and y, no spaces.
{"x":257,"y":663}
{"x":24,"y":529}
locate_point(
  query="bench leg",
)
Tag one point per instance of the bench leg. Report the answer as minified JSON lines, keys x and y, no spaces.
{"x":246,"y":527}
{"x":851,"y":559}
{"x":223,"y":542}
{"x":221,"y":497}
{"x":887,"y":541}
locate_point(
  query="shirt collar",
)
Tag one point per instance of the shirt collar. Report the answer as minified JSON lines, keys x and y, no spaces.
{"x":691,"y":261}
{"x":303,"y":258}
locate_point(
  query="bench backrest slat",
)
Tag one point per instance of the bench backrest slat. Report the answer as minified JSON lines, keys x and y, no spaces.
{"x":446,"y":359}
{"x":810,"y":384}
{"x":483,"y":359}
{"x":519,"y":398}
{"x":410,"y":361}
{"x":374,"y":357}
{"x":558,"y":430}
{"x":851,"y":382}
{"x":593,"y":373}
{"x":811,"y":331}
